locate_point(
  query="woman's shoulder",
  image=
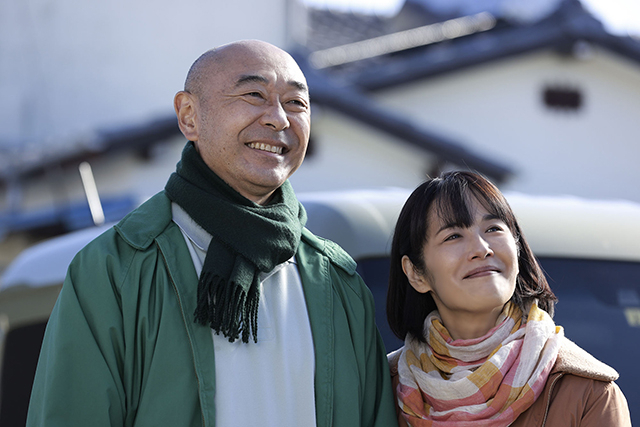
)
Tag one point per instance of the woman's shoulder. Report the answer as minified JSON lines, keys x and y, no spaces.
{"x":393,"y":361}
{"x":575,"y":361}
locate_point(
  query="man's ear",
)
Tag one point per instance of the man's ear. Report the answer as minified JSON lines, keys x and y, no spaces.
{"x":416,"y":279}
{"x":185,"y":105}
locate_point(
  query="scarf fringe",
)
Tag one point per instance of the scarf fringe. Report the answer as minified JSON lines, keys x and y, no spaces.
{"x":228,"y":310}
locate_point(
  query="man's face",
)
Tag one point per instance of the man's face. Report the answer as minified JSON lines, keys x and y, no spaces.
{"x":253,"y":119}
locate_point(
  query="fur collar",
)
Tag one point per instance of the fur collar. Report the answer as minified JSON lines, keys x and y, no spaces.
{"x":576,"y":361}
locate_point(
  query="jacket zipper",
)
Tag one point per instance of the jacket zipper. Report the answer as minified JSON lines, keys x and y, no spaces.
{"x":175,"y":289}
{"x":546,"y":412}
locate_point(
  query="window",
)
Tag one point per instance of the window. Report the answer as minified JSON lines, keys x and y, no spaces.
{"x":563,"y":98}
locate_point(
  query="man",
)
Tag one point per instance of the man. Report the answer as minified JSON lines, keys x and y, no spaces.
{"x":211,"y":304}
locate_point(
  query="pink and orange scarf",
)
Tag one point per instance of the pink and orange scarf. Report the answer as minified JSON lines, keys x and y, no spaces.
{"x":487,"y":381}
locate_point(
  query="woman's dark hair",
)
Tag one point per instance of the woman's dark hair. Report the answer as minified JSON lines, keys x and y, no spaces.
{"x":450,"y":195}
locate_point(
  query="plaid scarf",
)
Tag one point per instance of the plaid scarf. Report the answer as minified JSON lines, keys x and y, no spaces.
{"x":247,"y":239}
{"x":487,"y":381}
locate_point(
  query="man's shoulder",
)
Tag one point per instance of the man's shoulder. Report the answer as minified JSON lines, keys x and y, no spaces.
{"x":323,"y":264}
{"x":134,"y":232}
{"x":338,"y":256}
{"x":145,"y":223}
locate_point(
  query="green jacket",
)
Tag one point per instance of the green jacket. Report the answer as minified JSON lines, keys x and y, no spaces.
{"x":122,"y":349}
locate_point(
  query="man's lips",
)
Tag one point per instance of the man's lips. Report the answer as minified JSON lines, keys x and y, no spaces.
{"x":482,"y":271}
{"x":263,"y":146}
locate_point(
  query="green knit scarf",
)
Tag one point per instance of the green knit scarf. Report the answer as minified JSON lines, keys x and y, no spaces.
{"x":247,"y":239}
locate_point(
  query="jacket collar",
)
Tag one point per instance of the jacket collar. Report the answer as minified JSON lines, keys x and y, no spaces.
{"x":137,"y":230}
{"x":331,"y":250}
{"x":574,"y":360}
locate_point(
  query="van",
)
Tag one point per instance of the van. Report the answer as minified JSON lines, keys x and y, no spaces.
{"x":590,"y":251}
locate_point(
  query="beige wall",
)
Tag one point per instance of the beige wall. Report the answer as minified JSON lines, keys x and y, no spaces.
{"x":68,"y":66}
{"x":349,"y":154}
{"x":497,"y":109}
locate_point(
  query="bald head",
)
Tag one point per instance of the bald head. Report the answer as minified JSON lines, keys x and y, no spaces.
{"x":246,"y":108}
{"x":213,"y":61}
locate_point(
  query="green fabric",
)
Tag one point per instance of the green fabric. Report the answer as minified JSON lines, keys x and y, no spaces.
{"x":121,"y":348}
{"x":247,"y":238}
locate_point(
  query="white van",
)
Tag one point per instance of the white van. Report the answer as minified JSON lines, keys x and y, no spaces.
{"x":589,"y":249}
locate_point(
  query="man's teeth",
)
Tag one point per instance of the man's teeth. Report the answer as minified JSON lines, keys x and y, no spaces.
{"x":265,"y":147}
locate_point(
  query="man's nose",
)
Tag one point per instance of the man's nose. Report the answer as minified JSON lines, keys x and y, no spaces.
{"x":275,"y":116}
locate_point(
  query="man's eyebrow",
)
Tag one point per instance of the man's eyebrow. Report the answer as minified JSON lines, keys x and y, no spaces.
{"x":251,"y":78}
{"x":256,"y":78}
{"x":298,"y":85}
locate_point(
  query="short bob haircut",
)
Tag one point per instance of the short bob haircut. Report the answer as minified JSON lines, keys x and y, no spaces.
{"x":450,"y":195}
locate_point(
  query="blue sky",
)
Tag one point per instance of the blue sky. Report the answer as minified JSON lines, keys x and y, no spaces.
{"x":619,"y":16}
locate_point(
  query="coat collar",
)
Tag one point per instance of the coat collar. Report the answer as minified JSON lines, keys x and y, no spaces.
{"x":137,"y":230}
{"x":576,"y":361}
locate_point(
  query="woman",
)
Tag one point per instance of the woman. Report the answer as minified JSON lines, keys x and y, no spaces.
{"x":474,"y":308}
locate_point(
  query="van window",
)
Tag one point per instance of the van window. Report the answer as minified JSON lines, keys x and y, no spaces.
{"x":599,"y":308}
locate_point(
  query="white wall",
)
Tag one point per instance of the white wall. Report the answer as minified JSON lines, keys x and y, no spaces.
{"x":349,"y":154}
{"x":68,"y":66}
{"x":498,"y":110}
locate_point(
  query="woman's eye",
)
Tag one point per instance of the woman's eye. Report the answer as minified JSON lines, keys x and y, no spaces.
{"x":452,"y":237}
{"x":494,"y":228}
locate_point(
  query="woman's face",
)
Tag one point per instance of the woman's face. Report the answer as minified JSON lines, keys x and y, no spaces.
{"x":470,"y":272}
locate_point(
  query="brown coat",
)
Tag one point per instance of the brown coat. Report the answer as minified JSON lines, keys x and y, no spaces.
{"x":580,"y":391}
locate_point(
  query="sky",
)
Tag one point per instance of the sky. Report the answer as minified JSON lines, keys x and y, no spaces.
{"x":621,"y":17}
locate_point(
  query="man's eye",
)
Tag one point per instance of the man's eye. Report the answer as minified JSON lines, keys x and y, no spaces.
{"x":256,"y":95}
{"x":297,"y":103}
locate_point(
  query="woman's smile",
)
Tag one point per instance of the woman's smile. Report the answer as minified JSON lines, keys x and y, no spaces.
{"x":482,"y":271}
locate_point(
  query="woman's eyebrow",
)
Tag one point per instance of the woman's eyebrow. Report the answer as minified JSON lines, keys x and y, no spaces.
{"x":455,"y":224}
{"x":448,"y":226}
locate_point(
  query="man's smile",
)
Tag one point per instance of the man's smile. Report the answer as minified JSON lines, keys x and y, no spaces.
{"x":265,"y":147}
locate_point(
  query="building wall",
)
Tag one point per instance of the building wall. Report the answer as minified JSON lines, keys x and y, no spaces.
{"x":68,"y":66}
{"x":498,"y":110}
{"x":348,"y":154}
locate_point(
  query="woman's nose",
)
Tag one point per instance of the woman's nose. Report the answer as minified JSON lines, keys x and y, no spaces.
{"x":480,"y":248}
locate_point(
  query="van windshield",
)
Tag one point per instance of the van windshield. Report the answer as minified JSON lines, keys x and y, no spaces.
{"x":599,"y":308}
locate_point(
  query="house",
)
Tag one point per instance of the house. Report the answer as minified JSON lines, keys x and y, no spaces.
{"x":541,"y":105}
{"x":539,"y":88}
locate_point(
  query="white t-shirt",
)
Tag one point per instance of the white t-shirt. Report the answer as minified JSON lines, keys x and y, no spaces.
{"x":271,"y":382}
